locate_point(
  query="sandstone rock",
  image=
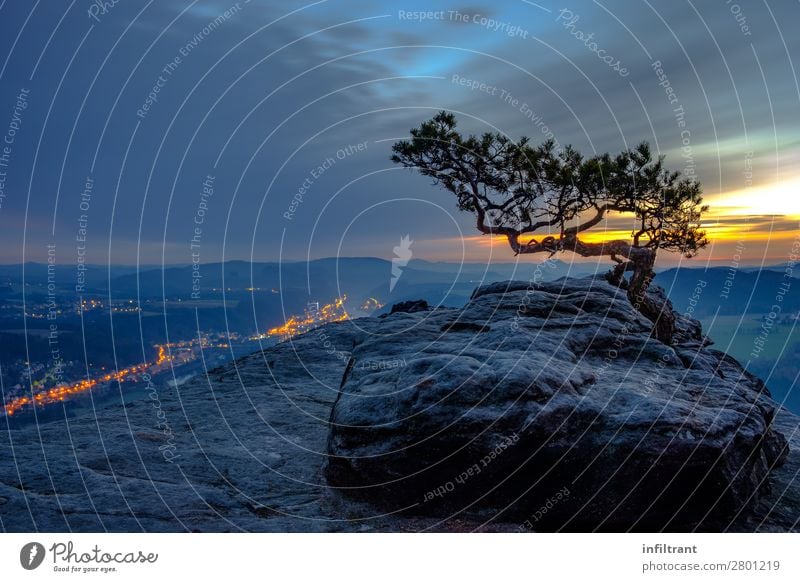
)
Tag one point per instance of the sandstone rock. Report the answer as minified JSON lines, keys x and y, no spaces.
{"x":410,"y":306}
{"x":548,"y":388}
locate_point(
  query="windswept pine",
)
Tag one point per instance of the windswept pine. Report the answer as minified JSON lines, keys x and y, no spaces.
{"x":517,"y":191}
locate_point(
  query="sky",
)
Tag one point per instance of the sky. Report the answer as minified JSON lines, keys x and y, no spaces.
{"x":198,"y":131}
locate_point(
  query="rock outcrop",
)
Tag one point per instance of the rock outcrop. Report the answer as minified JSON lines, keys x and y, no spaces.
{"x":413,"y":306}
{"x":553,"y":406}
{"x":573,"y":416}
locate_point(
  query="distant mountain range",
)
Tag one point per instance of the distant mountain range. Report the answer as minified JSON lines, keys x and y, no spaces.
{"x":751,"y":289}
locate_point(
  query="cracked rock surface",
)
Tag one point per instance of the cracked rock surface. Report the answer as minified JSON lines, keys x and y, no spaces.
{"x":526,"y":392}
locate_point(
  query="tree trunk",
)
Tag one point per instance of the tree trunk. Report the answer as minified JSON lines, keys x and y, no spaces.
{"x":658,"y":311}
{"x":640,"y":261}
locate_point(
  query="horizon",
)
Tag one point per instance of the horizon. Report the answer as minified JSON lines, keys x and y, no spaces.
{"x":687,"y":263}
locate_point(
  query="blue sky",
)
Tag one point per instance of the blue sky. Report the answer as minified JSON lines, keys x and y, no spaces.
{"x":264,"y":95}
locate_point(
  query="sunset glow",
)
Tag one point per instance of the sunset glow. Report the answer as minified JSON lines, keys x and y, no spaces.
{"x":768,"y":214}
{"x":778,"y":198}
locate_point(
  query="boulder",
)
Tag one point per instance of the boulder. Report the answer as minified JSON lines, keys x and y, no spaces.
{"x":410,"y":306}
{"x":551,"y":405}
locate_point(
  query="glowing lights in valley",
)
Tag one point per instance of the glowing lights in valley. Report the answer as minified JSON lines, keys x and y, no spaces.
{"x":61,"y":393}
{"x":65,"y":391}
{"x":370,"y":305}
{"x":315,"y":316}
{"x":162,"y":356}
